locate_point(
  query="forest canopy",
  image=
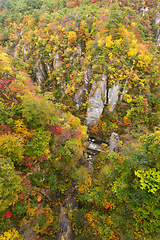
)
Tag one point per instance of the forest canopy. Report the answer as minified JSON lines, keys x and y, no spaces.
{"x":60,"y":62}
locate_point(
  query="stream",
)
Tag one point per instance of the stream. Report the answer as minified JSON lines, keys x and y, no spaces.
{"x":94,"y":147}
{"x":70,"y":204}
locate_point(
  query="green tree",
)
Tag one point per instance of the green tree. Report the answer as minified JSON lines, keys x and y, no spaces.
{"x":10,"y":184}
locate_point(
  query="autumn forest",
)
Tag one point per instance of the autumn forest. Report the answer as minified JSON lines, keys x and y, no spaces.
{"x":77,"y":77}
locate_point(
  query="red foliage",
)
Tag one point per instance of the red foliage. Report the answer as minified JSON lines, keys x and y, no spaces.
{"x":4,"y":81}
{"x":60,"y":56}
{"x":95,"y":129}
{"x":27,"y":162}
{"x":79,"y":134}
{"x":44,"y":157}
{"x":107,"y":204}
{"x":21,"y":196}
{"x":121,"y":160}
{"x":59,"y":129}
{"x":128,"y":124}
{"x":8,"y":214}
{"x":39,"y":23}
{"x":52,"y":129}
{"x":5,"y":129}
{"x":6,"y":22}
{"x":22,"y":88}
{"x":93,"y":1}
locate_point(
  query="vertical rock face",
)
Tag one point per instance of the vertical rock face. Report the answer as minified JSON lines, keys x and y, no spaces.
{"x":39,"y":73}
{"x":39,"y":77}
{"x":24,"y":54}
{"x":158,"y":37}
{"x":80,"y":95}
{"x":79,"y":51}
{"x":113,"y":97}
{"x":157,"y":18}
{"x":56,"y":61}
{"x":113,"y":142}
{"x":87,"y":77}
{"x":96,"y":103}
{"x":157,"y":21}
{"x":124,"y":91}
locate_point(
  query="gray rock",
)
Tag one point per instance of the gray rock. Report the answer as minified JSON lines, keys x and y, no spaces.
{"x":157,"y":18}
{"x":124,"y":91}
{"x":90,"y":166}
{"x":113,"y":97}
{"x":144,"y":10}
{"x":87,"y":77}
{"x":79,"y":50}
{"x":158,"y":37}
{"x":48,"y":69}
{"x":39,"y":73}
{"x":39,"y":77}
{"x":79,"y":97}
{"x":24,"y":54}
{"x":63,"y":87}
{"x":157,"y":21}
{"x":113,"y":142}
{"x":56,"y":61}
{"x":96,"y":103}
{"x":94,"y":147}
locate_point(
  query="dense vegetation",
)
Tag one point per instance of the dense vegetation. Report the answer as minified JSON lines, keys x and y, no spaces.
{"x":47,"y":48}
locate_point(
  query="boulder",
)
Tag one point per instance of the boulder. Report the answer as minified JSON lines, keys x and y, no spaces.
{"x":94,"y":147}
{"x":113,"y":142}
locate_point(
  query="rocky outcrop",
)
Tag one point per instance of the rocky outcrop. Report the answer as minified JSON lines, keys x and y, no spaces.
{"x":158,"y":37}
{"x":157,"y":18}
{"x":124,"y":91}
{"x":144,"y":10}
{"x":39,"y":72}
{"x":25,"y":54}
{"x":87,"y":78}
{"x":113,"y":97}
{"x":97,"y":99}
{"x":56,"y":61}
{"x":113,"y":142}
{"x":79,"y":98}
{"x":94,"y":147}
{"x":157,"y":22}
